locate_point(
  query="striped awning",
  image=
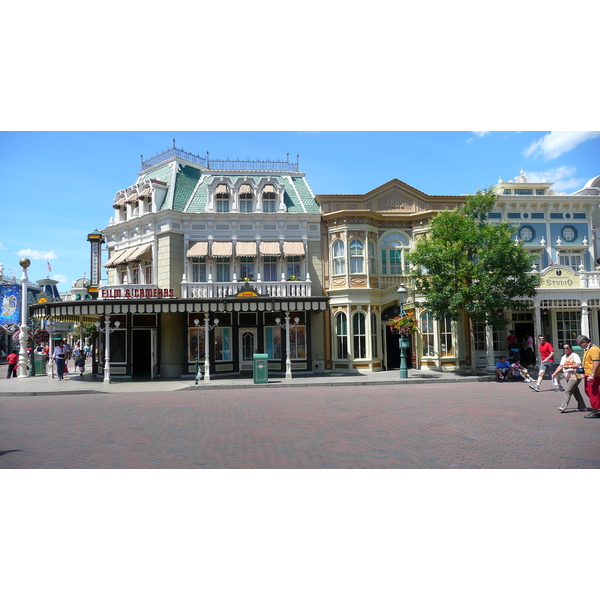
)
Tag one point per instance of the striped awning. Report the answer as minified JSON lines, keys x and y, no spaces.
{"x":199,"y":249}
{"x":270,"y":248}
{"x":222,"y":249}
{"x":115,"y":259}
{"x":293,"y":248}
{"x":146,"y":192}
{"x":245,"y":189}
{"x":269,"y":188}
{"x":245,"y":249}
{"x":222,"y":189}
{"x":143,"y":252}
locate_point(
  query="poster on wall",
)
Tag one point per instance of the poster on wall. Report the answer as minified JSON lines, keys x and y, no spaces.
{"x":10,"y":304}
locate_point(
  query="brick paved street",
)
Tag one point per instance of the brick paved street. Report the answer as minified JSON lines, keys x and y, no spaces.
{"x":465,"y":426}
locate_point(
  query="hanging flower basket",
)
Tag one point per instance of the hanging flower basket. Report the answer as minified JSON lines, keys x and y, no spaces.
{"x":247,"y":279}
{"x":293,"y":278}
{"x":41,"y":336}
{"x":405,"y":325}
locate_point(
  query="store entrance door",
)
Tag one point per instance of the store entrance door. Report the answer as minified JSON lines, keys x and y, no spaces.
{"x":247,"y":348}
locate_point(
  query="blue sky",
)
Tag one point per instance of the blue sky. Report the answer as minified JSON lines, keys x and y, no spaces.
{"x":59,"y":186}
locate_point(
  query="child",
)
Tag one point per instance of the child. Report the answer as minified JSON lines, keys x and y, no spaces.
{"x":518,"y":370}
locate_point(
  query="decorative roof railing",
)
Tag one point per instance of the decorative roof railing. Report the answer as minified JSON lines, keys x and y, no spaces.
{"x":223,"y":164}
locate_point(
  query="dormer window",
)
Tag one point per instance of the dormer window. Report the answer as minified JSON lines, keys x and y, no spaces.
{"x":246,"y":197}
{"x":269,"y":196}
{"x":222,"y":195}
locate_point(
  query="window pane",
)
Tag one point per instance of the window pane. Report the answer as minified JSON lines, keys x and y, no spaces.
{"x":222,"y":343}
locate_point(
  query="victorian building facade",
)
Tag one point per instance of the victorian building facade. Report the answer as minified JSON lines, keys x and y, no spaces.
{"x":367,"y":242}
{"x":209,"y":262}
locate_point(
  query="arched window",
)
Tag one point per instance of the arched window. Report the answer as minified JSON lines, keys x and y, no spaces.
{"x":374,"y":336}
{"x":339,"y":258}
{"x":246,"y":196}
{"x":359,"y":335}
{"x":428,"y":333}
{"x":341,"y":334}
{"x":269,"y":196}
{"x":357,"y":259}
{"x":372,"y":259}
{"x":392,"y":248}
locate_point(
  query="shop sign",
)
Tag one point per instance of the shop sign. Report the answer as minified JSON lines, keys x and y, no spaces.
{"x":560,"y":278}
{"x":136,"y":293}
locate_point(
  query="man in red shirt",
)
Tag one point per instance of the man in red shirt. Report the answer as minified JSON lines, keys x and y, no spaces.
{"x":13,"y":363}
{"x":546,"y":365}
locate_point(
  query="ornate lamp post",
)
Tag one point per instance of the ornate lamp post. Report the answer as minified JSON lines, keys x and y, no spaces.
{"x":107,"y":330}
{"x":206,"y":328}
{"x":51,"y":327}
{"x":286,"y":326}
{"x":404,"y":339}
{"x":24,"y":333}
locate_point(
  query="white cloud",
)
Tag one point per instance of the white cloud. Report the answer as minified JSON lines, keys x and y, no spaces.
{"x":562,"y":177}
{"x":37,"y":254}
{"x":59,"y":278}
{"x":2,"y":246}
{"x":480,"y":133}
{"x":555,"y":143}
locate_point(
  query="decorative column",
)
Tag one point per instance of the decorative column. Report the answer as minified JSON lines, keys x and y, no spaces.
{"x":489,"y":348}
{"x":585,"y":318}
{"x":207,"y":327}
{"x":24,"y":332}
{"x":286,"y":326}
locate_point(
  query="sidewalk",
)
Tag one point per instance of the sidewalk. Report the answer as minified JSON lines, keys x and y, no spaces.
{"x":90,"y":384}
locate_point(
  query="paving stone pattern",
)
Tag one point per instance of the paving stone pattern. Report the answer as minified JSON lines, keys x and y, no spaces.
{"x":459,"y":426}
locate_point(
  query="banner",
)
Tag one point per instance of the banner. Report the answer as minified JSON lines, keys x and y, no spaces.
{"x":10,"y":304}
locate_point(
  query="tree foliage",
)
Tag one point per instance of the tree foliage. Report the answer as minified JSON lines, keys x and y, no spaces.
{"x":466,"y":263}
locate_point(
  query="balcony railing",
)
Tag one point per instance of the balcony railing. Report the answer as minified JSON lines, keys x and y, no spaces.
{"x":223,"y":164}
{"x":274,"y":289}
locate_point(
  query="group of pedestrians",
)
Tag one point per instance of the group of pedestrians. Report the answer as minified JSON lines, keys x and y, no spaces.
{"x":573,"y":370}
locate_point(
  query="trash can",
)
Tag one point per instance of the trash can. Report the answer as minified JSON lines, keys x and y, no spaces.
{"x":261,"y":368}
{"x":39,"y":361}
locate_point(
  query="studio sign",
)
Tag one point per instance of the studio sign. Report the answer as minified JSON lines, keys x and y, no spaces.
{"x":560,"y":278}
{"x":128,"y":293}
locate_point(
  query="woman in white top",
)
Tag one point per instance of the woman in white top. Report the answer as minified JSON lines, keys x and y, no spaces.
{"x":60,"y":358}
{"x":568,"y":365}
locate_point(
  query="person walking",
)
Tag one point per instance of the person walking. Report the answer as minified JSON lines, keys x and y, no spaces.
{"x":591,"y":369}
{"x":546,"y":364}
{"x":13,"y":363}
{"x":568,"y":366}
{"x":60,"y":358}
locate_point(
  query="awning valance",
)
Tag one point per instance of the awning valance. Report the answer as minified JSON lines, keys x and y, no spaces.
{"x":198,"y":249}
{"x":270,"y":248}
{"x":245,"y":249}
{"x":222,"y":249}
{"x":293,"y":248}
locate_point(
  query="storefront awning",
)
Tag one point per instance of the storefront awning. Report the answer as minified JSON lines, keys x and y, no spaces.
{"x":199,"y":249}
{"x":293,"y":248}
{"x":270,"y":248}
{"x":222,"y":249}
{"x":97,"y":308}
{"x":115,"y":259}
{"x":245,"y":249}
{"x":139,"y":253}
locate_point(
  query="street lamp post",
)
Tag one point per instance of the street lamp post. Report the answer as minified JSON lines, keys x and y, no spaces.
{"x":24,"y":332}
{"x":107,"y":330}
{"x":286,"y":326}
{"x":404,"y":339}
{"x":51,"y":326}
{"x":206,"y":328}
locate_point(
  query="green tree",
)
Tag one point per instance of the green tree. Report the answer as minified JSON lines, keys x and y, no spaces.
{"x":465,"y":263}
